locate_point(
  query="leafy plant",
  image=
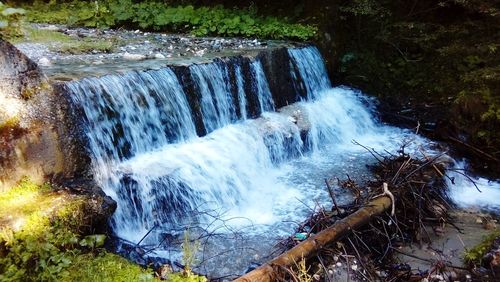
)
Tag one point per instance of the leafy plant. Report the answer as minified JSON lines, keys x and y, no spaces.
{"x":189,"y":250}
{"x":150,"y":15}
{"x":47,"y":244}
{"x":10,"y":21}
{"x":476,"y":254}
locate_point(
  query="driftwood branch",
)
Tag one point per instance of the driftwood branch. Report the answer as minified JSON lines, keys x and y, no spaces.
{"x":313,"y":244}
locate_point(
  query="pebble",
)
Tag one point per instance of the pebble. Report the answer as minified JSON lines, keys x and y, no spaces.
{"x":354,"y":267}
{"x":159,"y":56}
{"x":338,"y":264}
{"x":44,"y":62}
{"x":136,"y":46}
{"x":133,"y":57}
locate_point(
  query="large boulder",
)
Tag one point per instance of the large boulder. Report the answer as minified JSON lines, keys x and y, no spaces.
{"x":35,"y":129}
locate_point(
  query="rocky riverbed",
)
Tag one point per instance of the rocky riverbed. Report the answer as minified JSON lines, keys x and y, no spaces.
{"x":80,"y":52}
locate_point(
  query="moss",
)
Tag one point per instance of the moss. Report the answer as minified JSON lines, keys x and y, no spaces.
{"x":476,"y":254}
{"x":10,"y":123}
{"x":60,"y":42}
{"x":24,"y":199}
{"x":106,"y":267}
{"x":86,"y":46}
{"x":40,"y":240}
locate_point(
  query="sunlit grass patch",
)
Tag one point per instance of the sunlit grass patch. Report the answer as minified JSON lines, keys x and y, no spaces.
{"x":21,"y":201}
{"x":60,"y":42}
{"x":41,"y":240}
{"x":106,"y":267}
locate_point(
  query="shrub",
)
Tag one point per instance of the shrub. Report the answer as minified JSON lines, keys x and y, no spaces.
{"x":11,"y":21}
{"x":150,"y":15}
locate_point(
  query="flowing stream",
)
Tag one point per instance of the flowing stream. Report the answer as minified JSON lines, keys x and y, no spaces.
{"x":247,"y":181}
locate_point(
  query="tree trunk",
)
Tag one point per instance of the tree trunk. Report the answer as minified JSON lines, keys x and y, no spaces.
{"x":313,"y":244}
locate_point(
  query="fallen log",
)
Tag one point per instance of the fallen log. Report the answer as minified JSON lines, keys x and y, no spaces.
{"x":309,"y":247}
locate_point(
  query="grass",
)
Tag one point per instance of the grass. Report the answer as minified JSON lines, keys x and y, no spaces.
{"x":476,"y":254}
{"x":40,"y":240}
{"x":60,"y":42}
{"x":106,"y":267}
{"x":21,"y":201}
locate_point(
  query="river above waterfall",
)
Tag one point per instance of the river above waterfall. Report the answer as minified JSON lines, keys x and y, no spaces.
{"x":64,"y":58}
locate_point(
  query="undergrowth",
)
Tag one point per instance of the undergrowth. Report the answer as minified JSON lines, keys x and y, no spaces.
{"x":151,"y":15}
{"x":476,"y":254}
{"x":40,"y":240}
{"x":441,"y":54}
{"x":60,"y":42}
{"x":10,"y":21}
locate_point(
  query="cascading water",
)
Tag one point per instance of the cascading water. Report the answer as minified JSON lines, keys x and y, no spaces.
{"x":311,"y":69}
{"x":217,"y":104}
{"x":255,"y":172}
{"x":266,"y":102}
{"x":241,"y":92}
{"x":133,"y":113}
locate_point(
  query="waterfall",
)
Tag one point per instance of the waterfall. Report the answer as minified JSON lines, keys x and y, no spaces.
{"x":241,"y":92}
{"x":217,"y":104}
{"x":146,"y":154}
{"x":470,"y":191}
{"x":266,"y":102}
{"x":132,"y":113}
{"x":249,"y":163}
{"x":311,"y":68}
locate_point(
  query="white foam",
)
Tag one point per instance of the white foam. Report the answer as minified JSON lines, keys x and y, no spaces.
{"x":469,"y":191}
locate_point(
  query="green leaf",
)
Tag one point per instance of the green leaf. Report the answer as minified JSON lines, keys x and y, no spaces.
{"x":93,"y":241}
{"x":13,"y":11}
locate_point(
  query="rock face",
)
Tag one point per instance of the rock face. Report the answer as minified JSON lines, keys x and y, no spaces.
{"x":33,"y":124}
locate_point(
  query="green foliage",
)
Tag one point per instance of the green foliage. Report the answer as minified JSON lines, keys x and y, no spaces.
{"x":476,"y":254}
{"x":182,"y":277}
{"x":434,"y":53}
{"x":150,"y":15}
{"x":105,"y":267}
{"x":40,"y":240}
{"x":63,"y":43}
{"x":11,"y":21}
{"x":38,"y":252}
{"x":189,"y":251}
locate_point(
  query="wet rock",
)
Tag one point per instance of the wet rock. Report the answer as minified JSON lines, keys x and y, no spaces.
{"x":492,"y":258}
{"x":159,"y":56}
{"x":44,"y":62}
{"x":98,"y":206}
{"x":40,"y":143}
{"x":134,"y":57}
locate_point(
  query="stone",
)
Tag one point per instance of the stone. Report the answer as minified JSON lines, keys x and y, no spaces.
{"x":40,"y":140}
{"x":159,"y":56}
{"x":44,"y":62}
{"x":134,"y":57}
{"x":164,"y":271}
